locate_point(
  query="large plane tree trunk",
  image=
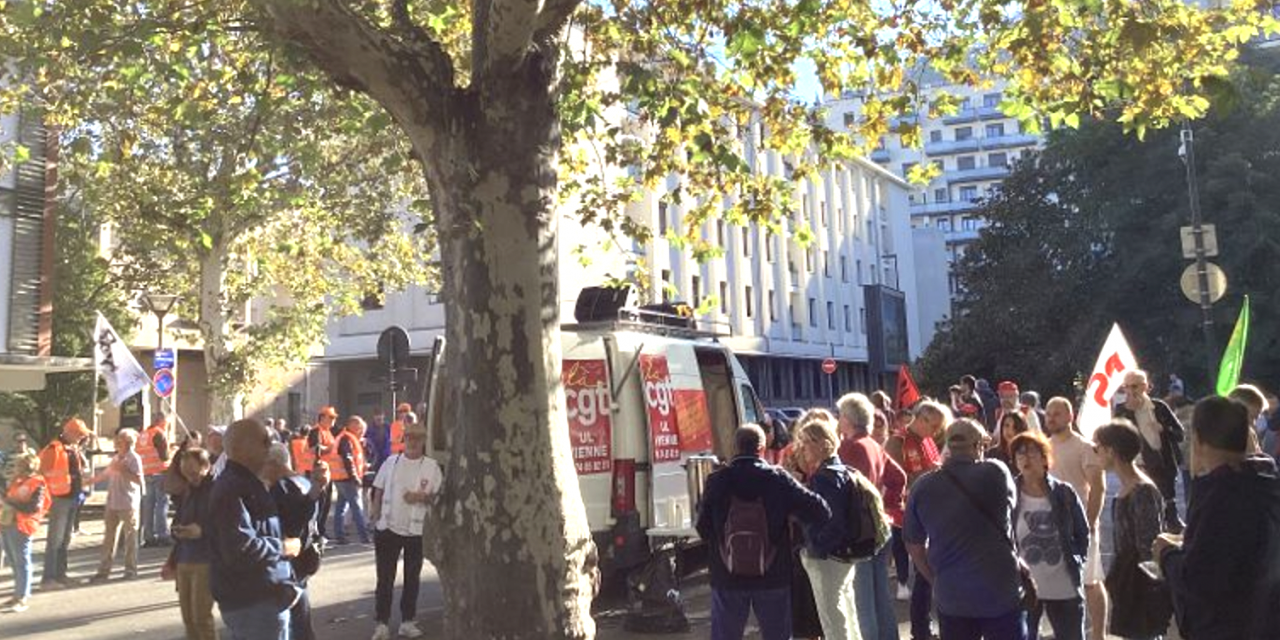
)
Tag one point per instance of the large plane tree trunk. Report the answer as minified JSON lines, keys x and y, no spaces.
{"x":515,"y":556}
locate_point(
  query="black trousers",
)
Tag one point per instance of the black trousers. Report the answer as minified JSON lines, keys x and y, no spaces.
{"x":300,"y":617}
{"x":326,"y":500}
{"x":387,"y":549}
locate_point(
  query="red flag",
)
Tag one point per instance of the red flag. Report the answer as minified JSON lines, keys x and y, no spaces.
{"x":908,"y":393}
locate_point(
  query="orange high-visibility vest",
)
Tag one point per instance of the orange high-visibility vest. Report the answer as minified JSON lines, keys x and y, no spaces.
{"x":29,"y":523}
{"x":339,"y":470}
{"x":304,"y":457}
{"x":397,"y":437}
{"x":152,"y":464}
{"x":55,"y":469}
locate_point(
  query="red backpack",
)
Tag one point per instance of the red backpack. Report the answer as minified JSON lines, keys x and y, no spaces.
{"x":746,"y":549}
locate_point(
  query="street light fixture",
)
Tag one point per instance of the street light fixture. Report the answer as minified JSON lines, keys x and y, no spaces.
{"x":160,"y":304}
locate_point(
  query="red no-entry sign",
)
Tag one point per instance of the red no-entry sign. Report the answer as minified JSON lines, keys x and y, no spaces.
{"x":829,"y":366}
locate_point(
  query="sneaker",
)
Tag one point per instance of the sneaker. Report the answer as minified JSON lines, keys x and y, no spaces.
{"x":131,"y":575}
{"x":18,"y":607}
{"x":409,"y":629}
{"x":381,"y":632}
{"x":903,"y":592}
{"x":52,"y":585}
{"x":99,"y":578}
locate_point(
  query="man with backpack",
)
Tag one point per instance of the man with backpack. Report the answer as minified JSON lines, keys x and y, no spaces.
{"x":743,"y":519}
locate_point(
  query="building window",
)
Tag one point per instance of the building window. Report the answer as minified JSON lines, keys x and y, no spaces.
{"x":724,"y":297}
{"x":822,"y":212}
{"x":773,"y":306}
{"x":963,"y":133}
{"x":939,"y":165}
{"x":968,"y":223}
{"x":858,"y":267}
{"x":697,"y":292}
{"x":831,"y":315}
{"x":907,"y":167}
{"x":826,"y":263}
{"x":798,"y":377}
{"x":666,"y":285}
{"x":769,"y":239}
{"x":662,"y":218}
{"x":720,"y":232}
{"x":966,"y":103}
{"x":940,"y":195}
{"x":840,"y":218}
{"x":944,"y":224}
{"x":809,"y":266}
{"x":864,"y":321}
{"x":969,"y":193}
{"x":848,"y":320}
{"x":844,"y":268}
{"x":791,"y":311}
{"x":746,"y":242}
{"x":813,"y":312}
{"x":995,"y":130}
{"x":750,"y":303}
{"x":998,"y":159}
{"x":964,"y":163}
{"x":992,"y":100}
{"x":849,"y":118}
{"x":935,"y":135}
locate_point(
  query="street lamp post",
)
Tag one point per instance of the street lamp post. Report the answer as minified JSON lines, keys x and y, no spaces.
{"x":1187,"y":152}
{"x":159,"y":304}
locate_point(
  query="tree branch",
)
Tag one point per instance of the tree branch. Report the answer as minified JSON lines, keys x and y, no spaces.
{"x":403,"y":75}
{"x":553,"y":17}
{"x":503,"y":31}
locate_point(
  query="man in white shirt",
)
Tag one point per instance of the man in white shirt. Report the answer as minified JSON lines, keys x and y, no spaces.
{"x":1075,"y":463}
{"x":403,"y":488}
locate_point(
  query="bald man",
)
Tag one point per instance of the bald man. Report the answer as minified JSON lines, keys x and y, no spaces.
{"x":252,"y":581}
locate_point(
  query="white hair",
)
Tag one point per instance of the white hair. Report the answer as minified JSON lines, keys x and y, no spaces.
{"x":128,"y":434}
{"x":857,"y":408}
{"x":279,"y":454}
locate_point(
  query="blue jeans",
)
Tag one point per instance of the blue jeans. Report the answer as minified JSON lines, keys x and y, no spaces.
{"x":730,"y":608}
{"x":17,"y":546}
{"x":349,"y":495}
{"x":873,"y":596}
{"x":257,"y":622}
{"x":61,"y":515}
{"x":1065,"y":616}
{"x":1010,"y":626}
{"x":155,"y":510}
{"x":921,"y":608}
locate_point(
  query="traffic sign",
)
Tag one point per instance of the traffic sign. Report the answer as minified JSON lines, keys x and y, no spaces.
{"x":829,"y":366}
{"x":1210,"y":241}
{"x":165,"y":382}
{"x":1191,"y":282}
{"x":166,"y":358}
{"x":393,"y":347}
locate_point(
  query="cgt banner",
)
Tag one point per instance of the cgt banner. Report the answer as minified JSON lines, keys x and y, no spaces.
{"x":660,"y":402}
{"x":587,"y":403}
{"x":1115,"y":359}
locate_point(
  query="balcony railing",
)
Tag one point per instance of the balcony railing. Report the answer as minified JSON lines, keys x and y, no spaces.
{"x":945,"y":147}
{"x":974,"y":114}
{"x":977,"y":173}
{"x":935,"y":208}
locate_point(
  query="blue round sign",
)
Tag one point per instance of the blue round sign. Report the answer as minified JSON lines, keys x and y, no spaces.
{"x":165,"y":382}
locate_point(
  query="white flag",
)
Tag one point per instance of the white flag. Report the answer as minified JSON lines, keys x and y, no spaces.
{"x":116,"y":364}
{"x":1108,"y":374}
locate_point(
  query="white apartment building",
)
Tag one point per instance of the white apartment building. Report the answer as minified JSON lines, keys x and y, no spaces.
{"x":973,"y":150}
{"x":782,"y":307}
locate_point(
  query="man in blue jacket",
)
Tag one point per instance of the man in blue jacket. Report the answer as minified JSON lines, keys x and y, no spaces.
{"x":755,"y":492}
{"x":252,"y":580}
{"x":1224,"y":573}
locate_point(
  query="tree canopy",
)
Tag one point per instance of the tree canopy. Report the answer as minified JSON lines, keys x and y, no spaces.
{"x":1087,"y":233}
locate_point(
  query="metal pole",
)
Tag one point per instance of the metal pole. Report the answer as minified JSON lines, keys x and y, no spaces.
{"x":1197,"y":230}
{"x":159,"y":348}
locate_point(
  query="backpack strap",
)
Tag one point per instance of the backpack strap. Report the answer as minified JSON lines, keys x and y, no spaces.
{"x":987,"y":515}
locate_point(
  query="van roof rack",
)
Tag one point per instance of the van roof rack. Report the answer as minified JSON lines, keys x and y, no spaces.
{"x":659,"y":323}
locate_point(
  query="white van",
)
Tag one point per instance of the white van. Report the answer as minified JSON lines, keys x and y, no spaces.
{"x":642,"y":397}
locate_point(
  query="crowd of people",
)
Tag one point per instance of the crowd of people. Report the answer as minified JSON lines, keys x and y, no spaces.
{"x":995,"y":508}
{"x":248,"y":528}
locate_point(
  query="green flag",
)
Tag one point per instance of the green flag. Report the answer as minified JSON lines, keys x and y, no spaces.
{"x":1233,"y":357}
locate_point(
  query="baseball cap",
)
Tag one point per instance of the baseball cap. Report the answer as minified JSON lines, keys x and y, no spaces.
{"x":964,"y":433}
{"x":1007,"y":385}
{"x":404,"y":406}
{"x":218,"y":429}
{"x":75,"y":427}
{"x":328,"y":411}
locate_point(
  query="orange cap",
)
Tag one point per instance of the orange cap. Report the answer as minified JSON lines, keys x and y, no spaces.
{"x":74,"y":426}
{"x":404,"y":406}
{"x":329,"y":411}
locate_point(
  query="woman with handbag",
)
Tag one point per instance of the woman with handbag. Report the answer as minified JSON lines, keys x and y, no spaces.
{"x":1140,"y":604}
{"x":1052,"y":538}
{"x":189,"y":481}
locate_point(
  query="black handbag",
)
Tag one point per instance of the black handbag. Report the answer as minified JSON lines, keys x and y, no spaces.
{"x":1141,"y":605}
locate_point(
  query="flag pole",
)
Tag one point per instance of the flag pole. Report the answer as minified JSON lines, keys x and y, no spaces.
{"x":96,"y":374}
